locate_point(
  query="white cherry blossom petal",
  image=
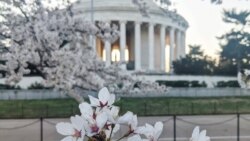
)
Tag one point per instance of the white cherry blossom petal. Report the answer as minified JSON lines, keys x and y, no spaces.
{"x":151,"y":132}
{"x":77,"y":122}
{"x":115,"y":111}
{"x":126,"y":118}
{"x":112,"y":113}
{"x":111,"y":100}
{"x":134,"y":122}
{"x":158,"y":129}
{"x":142,"y":130}
{"x":135,"y":138}
{"x":101,"y":120}
{"x":80,"y":139}
{"x":68,"y":138}
{"x":199,"y":136}
{"x":104,"y":95}
{"x":202,"y":136}
{"x":196,"y":133}
{"x":65,"y":129}
{"x":88,"y":131}
{"x":86,"y":110}
{"x":149,"y":127}
{"x":94,"y":101}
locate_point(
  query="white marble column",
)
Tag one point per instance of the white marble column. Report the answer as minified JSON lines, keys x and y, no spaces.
{"x":183,"y":44}
{"x":108,"y":53}
{"x":137,"y":45}
{"x":163,"y":47}
{"x":172,"y":48}
{"x":178,"y":45}
{"x":123,"y":42}
{"x":151,"y":46}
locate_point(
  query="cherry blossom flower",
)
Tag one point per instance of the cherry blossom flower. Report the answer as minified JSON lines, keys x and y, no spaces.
{"x":95,"y":121}
{"x":104,"y":99}
{"x":126,"y":118}
{"x":131,"y":120}
{"x":113,"y":114}
{"x":153,"y":133}
{"x":74,"y":130}
{"x":199,"y":136}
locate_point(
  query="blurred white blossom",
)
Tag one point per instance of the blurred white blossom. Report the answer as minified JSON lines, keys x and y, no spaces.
{"x":244,"y":79}
{"x":199,"y":136}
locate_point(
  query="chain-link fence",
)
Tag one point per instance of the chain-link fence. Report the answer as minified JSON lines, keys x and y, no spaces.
{"x":176,"y":128}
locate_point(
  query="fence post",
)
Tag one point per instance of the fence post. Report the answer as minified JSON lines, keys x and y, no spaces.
{"x":41,"y":129}
{"x":238,"y":127}
{"x":174,"y":127}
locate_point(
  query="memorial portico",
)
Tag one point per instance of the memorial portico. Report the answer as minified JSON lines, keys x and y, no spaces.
{"x":146,"y":43}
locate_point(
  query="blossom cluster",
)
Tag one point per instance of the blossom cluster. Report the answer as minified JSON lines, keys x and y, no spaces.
{"x":99,"y":121}
{"x":244,"y":79}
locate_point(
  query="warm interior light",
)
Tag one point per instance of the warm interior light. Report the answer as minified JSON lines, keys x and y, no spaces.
{"x":115,"y":55}
{"x":104,"y":55}
{"x":126,"y":55}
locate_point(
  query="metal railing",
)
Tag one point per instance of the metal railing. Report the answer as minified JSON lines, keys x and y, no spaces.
{"x":178,"y":122}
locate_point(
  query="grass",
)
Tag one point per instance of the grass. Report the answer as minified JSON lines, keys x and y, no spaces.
{"x":38,"y":108}
{"x":141,"y":106}
{"x":186,"y":106}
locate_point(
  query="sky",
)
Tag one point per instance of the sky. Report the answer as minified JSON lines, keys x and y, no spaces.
{"x":205,"y":20}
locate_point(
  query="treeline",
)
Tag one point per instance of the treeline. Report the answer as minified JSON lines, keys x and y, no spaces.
{"x":234,"y":54}
{"x":195,"y":63}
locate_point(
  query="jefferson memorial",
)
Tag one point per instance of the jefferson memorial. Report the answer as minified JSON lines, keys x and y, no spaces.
{"x":146,"y":43}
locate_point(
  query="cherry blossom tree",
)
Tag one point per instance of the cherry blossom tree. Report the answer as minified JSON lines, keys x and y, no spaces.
{"x":53,"y":40}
